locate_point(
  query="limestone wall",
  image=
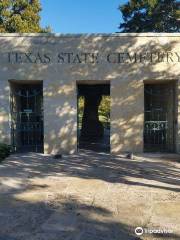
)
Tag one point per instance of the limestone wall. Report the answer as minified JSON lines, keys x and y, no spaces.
{"x":123,"y":59}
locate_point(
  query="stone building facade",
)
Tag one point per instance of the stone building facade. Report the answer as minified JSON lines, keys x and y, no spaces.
{"x":40,"y":75}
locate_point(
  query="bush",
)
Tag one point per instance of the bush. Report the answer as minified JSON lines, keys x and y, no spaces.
{"x":4,"y":151}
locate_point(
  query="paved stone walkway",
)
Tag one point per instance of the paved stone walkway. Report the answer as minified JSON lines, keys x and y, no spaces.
{"x":89,"y":196}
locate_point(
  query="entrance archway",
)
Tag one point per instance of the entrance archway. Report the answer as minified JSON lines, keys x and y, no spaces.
{"x":94,"y":117}
{"x":26,"y":106}
{"x":159,"y":116}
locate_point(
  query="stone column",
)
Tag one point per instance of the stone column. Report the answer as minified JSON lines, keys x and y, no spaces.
{"x":178,"y":117}
{"x":5,"y":131}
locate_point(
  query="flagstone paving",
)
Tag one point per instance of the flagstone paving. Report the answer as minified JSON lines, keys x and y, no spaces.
{"x":89,"y":196}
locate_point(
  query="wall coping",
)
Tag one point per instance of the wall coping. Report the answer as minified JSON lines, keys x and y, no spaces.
{"x":89,"y":35}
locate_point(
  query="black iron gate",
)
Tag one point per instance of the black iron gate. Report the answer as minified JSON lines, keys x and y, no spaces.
{"x":27,"y":117}
{"x":159,"y":118}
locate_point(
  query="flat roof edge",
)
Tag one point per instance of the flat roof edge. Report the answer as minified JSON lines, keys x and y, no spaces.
{"x":90,"y":35}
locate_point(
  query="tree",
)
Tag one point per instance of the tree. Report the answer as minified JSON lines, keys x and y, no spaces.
{"x":20,"y":16}
{"x":150,"y":16}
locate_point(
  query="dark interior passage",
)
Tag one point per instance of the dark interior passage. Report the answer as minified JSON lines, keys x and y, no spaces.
{"x":94,"y":117}
{"x":159,"y":117}
{"x":26,"y":104}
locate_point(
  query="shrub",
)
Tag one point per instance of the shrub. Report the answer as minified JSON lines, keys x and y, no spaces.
{"x":4,"y":151}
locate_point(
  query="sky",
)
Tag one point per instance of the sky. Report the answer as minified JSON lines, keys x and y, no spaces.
{"x":81,"y":16}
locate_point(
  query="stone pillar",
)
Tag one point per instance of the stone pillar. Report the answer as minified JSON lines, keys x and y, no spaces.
{"x":91,"y":126}
{"x":178,"y":117}
{"x":5,"y":131}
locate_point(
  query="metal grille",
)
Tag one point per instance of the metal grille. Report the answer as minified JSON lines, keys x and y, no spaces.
{"x":27,"y":118}
{"x":159,"y":118}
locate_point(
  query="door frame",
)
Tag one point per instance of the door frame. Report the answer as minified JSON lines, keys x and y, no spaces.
{"x":19,"y":83}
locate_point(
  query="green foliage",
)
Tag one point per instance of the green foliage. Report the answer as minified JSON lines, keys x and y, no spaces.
{"x":150,"y":16}
{"x":4,"y":151}
{"x":104,"y":111}
{"x":20,"y":16}
{"x":80,"y":111}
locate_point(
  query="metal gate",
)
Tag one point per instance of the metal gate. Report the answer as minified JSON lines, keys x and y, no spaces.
{"x":159,"y":118}
{"x":27,"y":117}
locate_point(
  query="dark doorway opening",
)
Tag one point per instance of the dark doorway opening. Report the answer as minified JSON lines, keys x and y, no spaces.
{"x":94,"y":117}
{"x":159,"y":117}
{"x":26,"y":105}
